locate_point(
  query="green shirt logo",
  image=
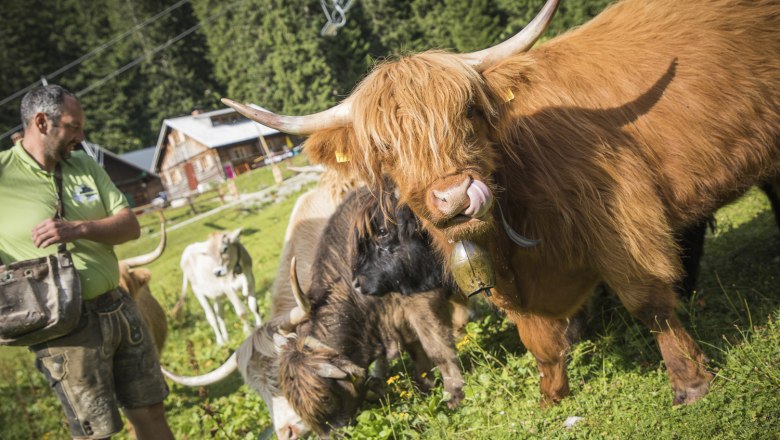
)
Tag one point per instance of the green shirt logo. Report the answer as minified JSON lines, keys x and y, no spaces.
{"x":84,"y":194}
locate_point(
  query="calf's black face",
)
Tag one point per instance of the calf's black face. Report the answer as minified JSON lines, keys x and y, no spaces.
{"x":392,"y":253}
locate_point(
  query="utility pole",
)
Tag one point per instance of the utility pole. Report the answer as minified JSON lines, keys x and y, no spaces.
{"x":277,"y":172}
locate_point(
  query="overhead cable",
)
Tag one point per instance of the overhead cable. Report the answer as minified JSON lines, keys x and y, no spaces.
{"x":138,"y":60}
{"x":95,"y":51}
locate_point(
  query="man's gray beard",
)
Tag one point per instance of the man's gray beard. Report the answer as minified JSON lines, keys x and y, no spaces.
{"x":64,"y":153}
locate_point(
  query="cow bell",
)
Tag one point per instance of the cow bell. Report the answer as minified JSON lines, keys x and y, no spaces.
{"x":472,"y":268}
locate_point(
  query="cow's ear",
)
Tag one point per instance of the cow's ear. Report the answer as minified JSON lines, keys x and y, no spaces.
{"x":337,"y":150}
{"x":233,"y":235}
{"x":347,"y":370}
{"x":142,"y":275}
{"x":505,"y":80}
{"x":281,"y":341}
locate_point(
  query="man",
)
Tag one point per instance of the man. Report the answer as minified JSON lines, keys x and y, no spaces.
{"x":109,"y":360}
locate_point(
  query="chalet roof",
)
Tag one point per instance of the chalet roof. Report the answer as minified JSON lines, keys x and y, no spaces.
{"x":119,"y":169}
{"x":203,"y":129}
{"x":140,"y":158}
{"x":99,"y":153}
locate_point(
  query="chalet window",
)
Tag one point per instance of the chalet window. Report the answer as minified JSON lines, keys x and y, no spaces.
{"x":197,"y":165}
{"x":238,"y":153}
{"x":208,"y":162}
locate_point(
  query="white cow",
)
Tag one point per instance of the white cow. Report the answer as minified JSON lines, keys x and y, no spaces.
{"x":216,"y":269}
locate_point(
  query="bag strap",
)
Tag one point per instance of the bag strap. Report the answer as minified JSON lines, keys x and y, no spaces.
{"x":60,"y":214}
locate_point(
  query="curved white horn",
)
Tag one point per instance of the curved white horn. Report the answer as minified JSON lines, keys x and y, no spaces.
{"x":300,"y":312}
{"x":312,"y":342}
{"x":337,"y":116}
{"x":140,"y":260}
{"x":349,"y":370}
{"x":298,"y":293}
{"x":520,"y":42}
{"x":209,"y":378}
{"x":331,"y":371}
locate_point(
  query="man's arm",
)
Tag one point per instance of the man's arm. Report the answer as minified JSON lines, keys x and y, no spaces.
{"x":116,"y":229}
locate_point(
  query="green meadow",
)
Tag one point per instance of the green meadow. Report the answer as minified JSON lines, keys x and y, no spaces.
{"x":620,"y":389}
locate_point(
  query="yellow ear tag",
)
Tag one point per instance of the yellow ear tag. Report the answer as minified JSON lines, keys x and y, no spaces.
{"x":341,"y":157}
{"x":509,"y":96}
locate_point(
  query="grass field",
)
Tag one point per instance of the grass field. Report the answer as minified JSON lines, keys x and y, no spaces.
{"x":620,"y":388}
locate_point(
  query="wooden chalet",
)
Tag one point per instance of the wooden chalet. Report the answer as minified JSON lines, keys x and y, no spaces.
{"x":202,"y":149}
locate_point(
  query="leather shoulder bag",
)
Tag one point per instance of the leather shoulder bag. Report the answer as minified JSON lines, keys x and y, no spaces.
{"x":40,"y":299}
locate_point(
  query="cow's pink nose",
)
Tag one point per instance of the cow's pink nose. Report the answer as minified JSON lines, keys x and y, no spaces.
{"x":452,"y":200}
{"x":469,"y":197}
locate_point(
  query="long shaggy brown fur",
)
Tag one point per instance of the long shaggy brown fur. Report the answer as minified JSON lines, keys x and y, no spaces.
{"x":600,"y":143}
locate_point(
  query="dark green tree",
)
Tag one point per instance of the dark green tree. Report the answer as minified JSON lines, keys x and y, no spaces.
{"x":29,"y":51}
{"x":264,"y":51}
{"x":270,"y":52}
{"x":171,"y":77}
{"x":126,"y":88}
{"x":393,"y":26}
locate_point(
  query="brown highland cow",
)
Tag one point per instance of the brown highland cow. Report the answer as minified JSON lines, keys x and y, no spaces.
{"x":599,"y":143}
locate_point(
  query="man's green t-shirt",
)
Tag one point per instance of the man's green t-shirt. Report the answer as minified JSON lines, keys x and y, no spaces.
{"x":28,"y":196}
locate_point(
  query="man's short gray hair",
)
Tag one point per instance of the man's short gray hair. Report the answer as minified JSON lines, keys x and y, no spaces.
{"x":47,"y":99}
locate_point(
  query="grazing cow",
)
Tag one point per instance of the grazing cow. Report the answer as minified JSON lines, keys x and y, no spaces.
{"x":135,"y":281}
{"x":217,"y":268}
{"x":323,"y":364}
{"x":597,"y":145}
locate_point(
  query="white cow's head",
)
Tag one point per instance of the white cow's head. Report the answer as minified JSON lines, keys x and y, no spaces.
{"x":224,"y":247}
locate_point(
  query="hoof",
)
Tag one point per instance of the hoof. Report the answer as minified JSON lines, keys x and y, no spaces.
{"x":554,"y":397}
{"x":691,"y":394}
{"x":457,"y":397}
{"x":545,"y":402}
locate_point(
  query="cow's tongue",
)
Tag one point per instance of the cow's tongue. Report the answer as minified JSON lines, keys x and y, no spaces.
{"x":480,"y":199}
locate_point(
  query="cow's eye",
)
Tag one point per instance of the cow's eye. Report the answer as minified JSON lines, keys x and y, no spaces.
{"x":382,"y":232}
{"x":469,"y":111}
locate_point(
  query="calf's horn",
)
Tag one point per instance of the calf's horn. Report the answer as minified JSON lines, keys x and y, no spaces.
{"x":300,"y":312}
{"x":288,"y":321}
{"x":212,"y":377}
{"x":520,"y":42}
{"x":304,"y":306}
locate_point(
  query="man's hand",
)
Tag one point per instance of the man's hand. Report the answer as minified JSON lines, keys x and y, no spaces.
{"x":55,"y":231}
{"x":116,"y":229}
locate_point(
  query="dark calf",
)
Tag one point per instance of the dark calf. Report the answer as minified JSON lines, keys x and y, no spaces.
{"x":323,"y":364}
{"x":393,"y":254}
